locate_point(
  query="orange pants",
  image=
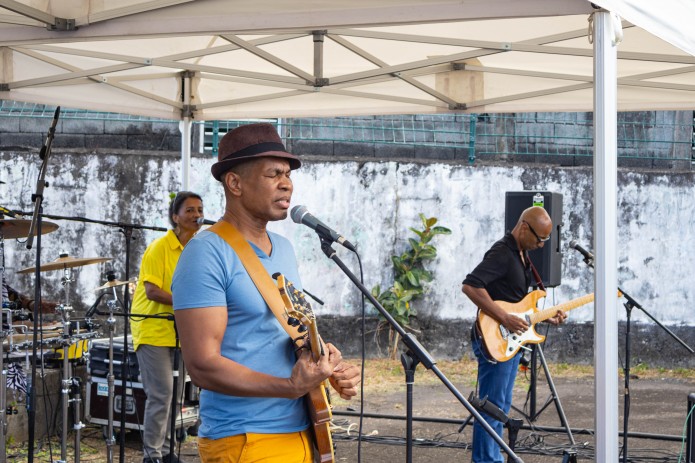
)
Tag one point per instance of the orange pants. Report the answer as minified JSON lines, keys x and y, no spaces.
{"x":251,"y":448}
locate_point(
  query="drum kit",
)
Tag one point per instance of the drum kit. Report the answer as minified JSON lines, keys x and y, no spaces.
{"x":67,"y":340}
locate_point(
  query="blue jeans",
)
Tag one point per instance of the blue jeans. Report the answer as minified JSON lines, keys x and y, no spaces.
{"x":495,"y":381}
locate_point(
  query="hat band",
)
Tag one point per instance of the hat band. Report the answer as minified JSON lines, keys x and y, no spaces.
{"x":257,"y":149}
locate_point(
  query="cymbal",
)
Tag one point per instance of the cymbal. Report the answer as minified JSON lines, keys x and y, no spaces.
{"x":19,"y":228}
{"x":114,"y":283}
{"x":65,"y":261}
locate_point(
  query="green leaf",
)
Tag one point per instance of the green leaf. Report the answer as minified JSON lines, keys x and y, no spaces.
{"x":423,"y":219}
{"x":428,"y":254}
{"x":422,"y":275}
{"x":414,"y":244}
{"x":417,"y":232}
{"x":413,"y":278}
{"x":441,"y":231}
{"x":430,"y":222}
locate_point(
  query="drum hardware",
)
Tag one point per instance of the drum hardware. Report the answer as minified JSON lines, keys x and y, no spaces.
{"x":126,"y":229}
{"x":112,"y":305}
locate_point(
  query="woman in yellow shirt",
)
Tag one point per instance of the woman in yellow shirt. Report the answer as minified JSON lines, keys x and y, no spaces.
{"x":154,"y":339}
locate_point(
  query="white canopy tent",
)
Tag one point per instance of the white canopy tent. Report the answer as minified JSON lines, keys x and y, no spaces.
{"x":215,"y":59}
{"x":254,"y":58}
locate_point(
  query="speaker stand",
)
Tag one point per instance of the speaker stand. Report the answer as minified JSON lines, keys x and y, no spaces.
{"x":537,"y":353}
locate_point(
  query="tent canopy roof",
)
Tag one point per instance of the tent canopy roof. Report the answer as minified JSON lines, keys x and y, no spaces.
{"x":214,"y":59}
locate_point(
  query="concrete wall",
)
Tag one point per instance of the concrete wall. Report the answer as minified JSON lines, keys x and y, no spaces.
{"x":30,"y":132}
{"x":374,"y":203}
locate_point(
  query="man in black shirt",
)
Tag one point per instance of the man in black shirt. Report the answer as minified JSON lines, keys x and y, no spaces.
{"x":504,"y":275}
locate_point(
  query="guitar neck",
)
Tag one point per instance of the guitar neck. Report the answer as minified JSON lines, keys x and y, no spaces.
{"x":543,"y":315}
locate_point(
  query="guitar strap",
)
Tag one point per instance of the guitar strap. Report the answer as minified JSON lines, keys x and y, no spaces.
{"x":258,"y":273}
{"x":539,"y":281}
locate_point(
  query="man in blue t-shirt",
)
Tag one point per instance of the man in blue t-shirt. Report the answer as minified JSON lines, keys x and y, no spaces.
{"x":251,"y":404}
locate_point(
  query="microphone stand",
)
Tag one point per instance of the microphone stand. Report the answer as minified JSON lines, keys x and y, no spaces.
{"x":35,"y":229}
{"x":415,"y":354}
{"x":630,"y":304}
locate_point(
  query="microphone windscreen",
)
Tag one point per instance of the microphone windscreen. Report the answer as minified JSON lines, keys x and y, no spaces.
{"x":297,"y":213}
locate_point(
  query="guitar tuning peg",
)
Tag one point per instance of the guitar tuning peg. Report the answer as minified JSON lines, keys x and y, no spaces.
{"x":292,"y":321}
{"x":302,"y":328}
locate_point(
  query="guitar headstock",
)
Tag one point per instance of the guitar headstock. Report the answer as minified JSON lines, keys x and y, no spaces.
{"x":299,"y":311}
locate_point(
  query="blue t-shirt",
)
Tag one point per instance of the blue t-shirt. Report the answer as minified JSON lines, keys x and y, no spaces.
{"x":210,"y":274}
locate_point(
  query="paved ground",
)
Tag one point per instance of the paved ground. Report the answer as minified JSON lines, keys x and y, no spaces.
{"x":658,"y":408}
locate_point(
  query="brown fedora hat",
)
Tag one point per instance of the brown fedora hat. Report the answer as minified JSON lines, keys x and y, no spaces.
{"x":248,"y":142}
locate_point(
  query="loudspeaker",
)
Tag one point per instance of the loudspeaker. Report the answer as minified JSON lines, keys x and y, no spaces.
{"x":548,"y":259}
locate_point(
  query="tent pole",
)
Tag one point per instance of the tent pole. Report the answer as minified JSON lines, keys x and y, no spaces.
{"x":185,"y":128}
{"x":605,"y":237}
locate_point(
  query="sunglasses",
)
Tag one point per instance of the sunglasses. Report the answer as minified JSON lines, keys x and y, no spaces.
{"x":540,"y":240}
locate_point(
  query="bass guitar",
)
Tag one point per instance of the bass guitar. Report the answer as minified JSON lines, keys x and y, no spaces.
{"x":502,"y":345}
{"x":298,"y":311}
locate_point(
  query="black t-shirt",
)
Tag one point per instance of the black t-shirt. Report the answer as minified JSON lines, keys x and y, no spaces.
{"x":502,"y":273}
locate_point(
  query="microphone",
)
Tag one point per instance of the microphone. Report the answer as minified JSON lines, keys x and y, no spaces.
{"x":202,"y":221}
{"x":51,"y":133}
{"x":588,"y":257}
{"x":5,"y":211}
{"x":301,"y":215}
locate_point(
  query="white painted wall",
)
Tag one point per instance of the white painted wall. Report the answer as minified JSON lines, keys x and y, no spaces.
{"x":372,"y":204}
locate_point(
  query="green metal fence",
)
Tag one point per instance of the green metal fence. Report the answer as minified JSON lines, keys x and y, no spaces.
{"x":657,"y":135}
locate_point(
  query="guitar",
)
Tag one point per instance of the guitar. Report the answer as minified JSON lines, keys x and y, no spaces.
{"x":298,"y":311}
{"x":502,"y":345}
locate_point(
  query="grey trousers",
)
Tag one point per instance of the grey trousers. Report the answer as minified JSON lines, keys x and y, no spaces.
{"x":157,"y":372}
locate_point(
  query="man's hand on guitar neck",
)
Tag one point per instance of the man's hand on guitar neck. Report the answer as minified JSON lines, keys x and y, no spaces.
{"x":560,"y":317}
{"x":308,"y":374}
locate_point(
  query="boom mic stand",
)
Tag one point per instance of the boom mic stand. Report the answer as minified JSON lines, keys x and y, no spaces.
{"x":35,"y":229}
{"x":416,"y":353}
{"x":629,"y":305}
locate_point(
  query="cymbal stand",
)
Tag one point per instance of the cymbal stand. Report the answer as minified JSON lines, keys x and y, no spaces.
{"x":69,"y":383}
{"x":110,"y":379}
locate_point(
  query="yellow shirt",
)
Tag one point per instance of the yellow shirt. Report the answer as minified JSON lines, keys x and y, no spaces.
{"x":157,"y":267}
